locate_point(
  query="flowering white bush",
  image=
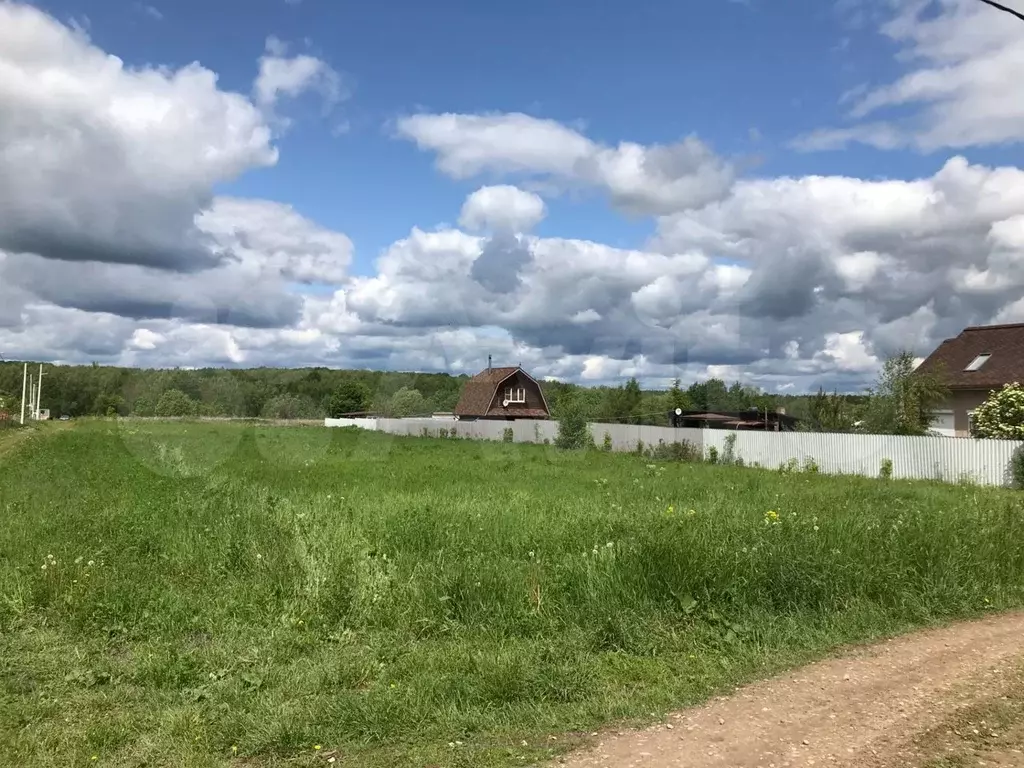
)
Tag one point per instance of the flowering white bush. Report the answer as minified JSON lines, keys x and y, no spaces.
{"x":1002,"y":414}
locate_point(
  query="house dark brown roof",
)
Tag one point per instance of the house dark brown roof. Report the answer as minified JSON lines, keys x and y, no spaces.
{"x":478,"y":394}
{"x":1004,"y":344}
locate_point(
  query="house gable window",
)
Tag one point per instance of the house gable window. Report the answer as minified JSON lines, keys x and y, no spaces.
{"x":977,"y":362}
{"x":515,"y":395}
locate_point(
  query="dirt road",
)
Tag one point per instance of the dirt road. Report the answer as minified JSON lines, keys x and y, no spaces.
{"x":865,"y":709}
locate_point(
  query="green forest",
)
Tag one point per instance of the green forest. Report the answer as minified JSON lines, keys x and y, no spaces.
{"x":313,"y":393}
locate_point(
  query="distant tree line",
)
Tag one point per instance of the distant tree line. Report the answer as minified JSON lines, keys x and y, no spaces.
{"x":900,"y":403}
{"x":279,"y":393}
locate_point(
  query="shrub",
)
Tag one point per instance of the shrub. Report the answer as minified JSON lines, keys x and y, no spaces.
{"x":885,"y":471}
{"x":1001,"y":416}
{"x":573,"y":431}
{"x":350,"y":397}
{"x":607,"y":442}
{"x":810,"y":465}
{"x":507,"y":435}
{"x":713,"y":455}
{"x":143,"y":406}
{"x":290,"y":407}
{"x":175,"y":403}
{"x":1017,"y":468}
{"x":677,"y":451}
{"x":109,"y":405}
{"x":729,"y":453}
{"x":639,"y":450}
{"x":406,"y":402}
{"x":788,"y":467}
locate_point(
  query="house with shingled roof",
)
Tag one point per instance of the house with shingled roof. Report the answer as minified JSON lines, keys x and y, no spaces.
{"x":980,"y":360}
{"x":502,"y":394}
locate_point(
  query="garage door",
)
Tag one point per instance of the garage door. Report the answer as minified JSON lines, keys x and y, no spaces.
{"x":943,"y":423}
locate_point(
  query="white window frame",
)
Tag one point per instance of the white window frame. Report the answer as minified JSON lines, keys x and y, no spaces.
{"x":978,"y":362}
{"x":515,"y":395}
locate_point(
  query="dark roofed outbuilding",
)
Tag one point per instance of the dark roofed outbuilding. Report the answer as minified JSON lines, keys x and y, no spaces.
{"x":502,"y":394}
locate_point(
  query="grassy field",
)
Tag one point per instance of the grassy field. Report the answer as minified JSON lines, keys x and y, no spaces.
{"x":196,"y":594}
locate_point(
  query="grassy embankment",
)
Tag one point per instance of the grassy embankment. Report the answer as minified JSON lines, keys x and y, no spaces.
{"x":197,"y":594}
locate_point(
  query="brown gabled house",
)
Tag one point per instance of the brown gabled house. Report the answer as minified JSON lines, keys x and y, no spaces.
{"x":980,"y":360}
{"x":502,"y":394}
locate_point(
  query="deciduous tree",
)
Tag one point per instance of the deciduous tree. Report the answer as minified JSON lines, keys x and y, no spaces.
{"x":903,"y":400}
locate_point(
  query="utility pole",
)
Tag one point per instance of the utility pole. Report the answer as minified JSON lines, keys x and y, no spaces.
{"x":24,"y":391}
{"x":39,"y":399}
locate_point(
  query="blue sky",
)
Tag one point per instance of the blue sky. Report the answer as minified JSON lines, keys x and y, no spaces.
{"x":747,"y":77}
{"x":783,"y":193}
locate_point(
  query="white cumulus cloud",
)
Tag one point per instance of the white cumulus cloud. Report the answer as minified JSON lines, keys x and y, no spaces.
{"x":638,"y":178}
{"x":283,"y":76}
{"x":104,"y":162}
{"x":504,"y":208}
{"x":962,"y":86}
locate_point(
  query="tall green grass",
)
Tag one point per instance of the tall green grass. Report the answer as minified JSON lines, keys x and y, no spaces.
{"x":192,"y":594}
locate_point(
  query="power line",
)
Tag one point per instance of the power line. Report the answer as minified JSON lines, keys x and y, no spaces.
{"x":1004,"y":8}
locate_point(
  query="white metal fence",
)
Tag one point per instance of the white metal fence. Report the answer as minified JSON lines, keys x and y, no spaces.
{"x":362,"y":423}
{"x":924,"y":458}
{"x":986,"y":462}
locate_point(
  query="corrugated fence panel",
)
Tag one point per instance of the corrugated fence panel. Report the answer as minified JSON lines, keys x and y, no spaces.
{"x":363,"y":423}
{"x":626,"y":437}
{"x":924,"y":458}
